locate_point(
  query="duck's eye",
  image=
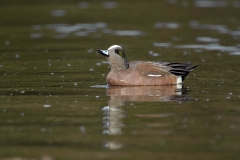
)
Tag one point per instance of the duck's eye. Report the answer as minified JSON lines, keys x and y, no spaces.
{"x":116,"y":51}
{"x":120,"y":53}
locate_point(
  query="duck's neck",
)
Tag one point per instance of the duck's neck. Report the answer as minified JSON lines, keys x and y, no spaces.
{"x":119,"y":65}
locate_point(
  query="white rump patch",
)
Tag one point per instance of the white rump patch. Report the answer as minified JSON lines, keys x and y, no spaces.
{"x":154,"y":75}
{"x":179,"y":86}
{"x":179,"y":80}
{"x":114,"y":46}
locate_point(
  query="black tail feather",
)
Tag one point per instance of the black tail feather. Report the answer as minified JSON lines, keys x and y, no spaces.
{"x":192,"y":68}
{"x":181,"y":69}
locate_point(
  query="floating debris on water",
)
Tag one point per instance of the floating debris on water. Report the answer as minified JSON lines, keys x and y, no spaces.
{"x":235,"y":33}
{"x":211,"y":3}
{"x":36,"y":35}
{"x":82,"y":29}
{"x":58,"y":13}
{"x":166,"y":45}
{"x":7,"y":43}
{"x":82,"y":129}
{"x":207,"y":39}
{"x":220,"y":28}
{"x":129,"y":33}
{"x":235,"y":50}
{"x":208,"y":3}
{"x":154,"y":54}
{"x":83,"y":5}
{"x":110,"y":5}
{"x":237,"y":53}
{"x":90,"y":50}
{"x":36,"y":27}
{"x":170,"y":25}
{"x":104,"y":62}
{"x":46,"y":105}
{"x":100,"y":86}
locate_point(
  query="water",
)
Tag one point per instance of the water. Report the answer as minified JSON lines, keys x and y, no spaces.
{"x":54,"y":101}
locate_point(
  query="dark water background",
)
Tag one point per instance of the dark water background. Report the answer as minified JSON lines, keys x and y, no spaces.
{"x":54,"y":103}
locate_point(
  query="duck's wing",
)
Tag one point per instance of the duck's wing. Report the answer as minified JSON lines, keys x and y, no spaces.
{"x":153,"y":69}
{"x":164,"y":68}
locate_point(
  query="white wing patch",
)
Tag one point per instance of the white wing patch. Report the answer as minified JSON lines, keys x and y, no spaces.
{"x":154,"y":75}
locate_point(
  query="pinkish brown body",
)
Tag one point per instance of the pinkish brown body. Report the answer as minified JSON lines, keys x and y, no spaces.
{"x":137,"y":75}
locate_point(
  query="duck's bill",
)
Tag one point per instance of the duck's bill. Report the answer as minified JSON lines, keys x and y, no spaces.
{"x":103,"y":52}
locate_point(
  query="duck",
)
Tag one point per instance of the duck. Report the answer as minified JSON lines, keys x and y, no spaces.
{"x":142,"y":73}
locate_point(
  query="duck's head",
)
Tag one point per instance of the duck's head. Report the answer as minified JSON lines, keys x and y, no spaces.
{"x":116,"y":57}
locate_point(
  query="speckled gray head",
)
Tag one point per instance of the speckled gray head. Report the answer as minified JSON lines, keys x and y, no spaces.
{"x":116,"y":57}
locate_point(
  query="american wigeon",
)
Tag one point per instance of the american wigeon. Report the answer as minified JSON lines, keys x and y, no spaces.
{"x":143,"y":72}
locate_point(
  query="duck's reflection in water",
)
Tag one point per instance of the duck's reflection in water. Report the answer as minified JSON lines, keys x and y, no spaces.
{"x":120,"y":95}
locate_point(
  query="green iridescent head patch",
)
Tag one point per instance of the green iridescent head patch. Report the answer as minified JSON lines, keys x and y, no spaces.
{"x":120,"y":53}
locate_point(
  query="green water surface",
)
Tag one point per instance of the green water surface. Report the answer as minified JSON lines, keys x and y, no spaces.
{"x":54,"y":103}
